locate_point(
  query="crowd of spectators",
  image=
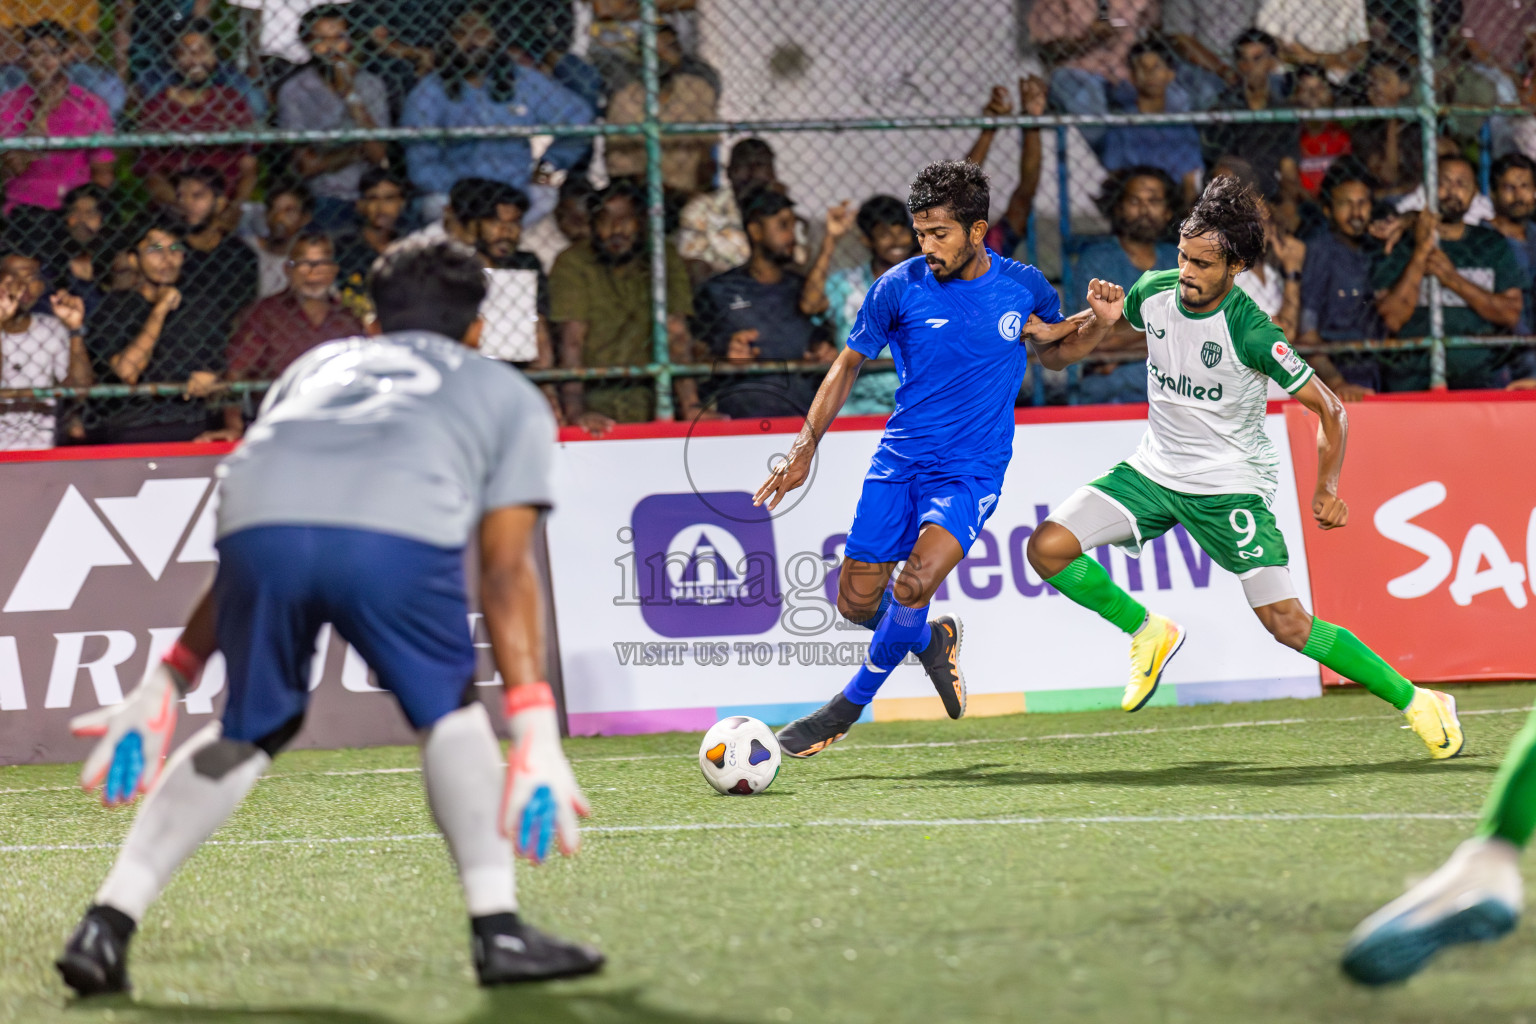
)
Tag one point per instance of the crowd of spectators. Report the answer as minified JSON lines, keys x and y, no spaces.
{"x":216,"y":265}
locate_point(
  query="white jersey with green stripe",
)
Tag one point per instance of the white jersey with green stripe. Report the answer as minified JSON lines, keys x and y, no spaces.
{"x":1207,"y":378}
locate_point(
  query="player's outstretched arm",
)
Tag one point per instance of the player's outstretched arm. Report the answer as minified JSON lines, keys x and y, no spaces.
{"x":541,"y":801}
{"x":1332,"y":432}
{"x":1103,"y":319}
{"x":136,"y":734}
{"x":790,"y":472}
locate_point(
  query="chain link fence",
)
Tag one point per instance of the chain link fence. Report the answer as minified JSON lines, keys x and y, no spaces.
{"x":681,"y":203}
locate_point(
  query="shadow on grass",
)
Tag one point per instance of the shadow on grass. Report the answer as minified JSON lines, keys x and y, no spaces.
{"x":514,"y":1003}
{"x":1193,"y":773}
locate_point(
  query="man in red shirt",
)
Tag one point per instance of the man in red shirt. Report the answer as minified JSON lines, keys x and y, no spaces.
{"x":280,"y":328}
{"x":1322,"y":142}
{"x":196,"y":104}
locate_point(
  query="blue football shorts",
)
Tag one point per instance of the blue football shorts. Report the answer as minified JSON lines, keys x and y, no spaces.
{"x":399,"y":602}
{"x":891,"y":513}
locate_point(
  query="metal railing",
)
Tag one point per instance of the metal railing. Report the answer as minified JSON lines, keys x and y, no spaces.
{"x":1426,"y":110}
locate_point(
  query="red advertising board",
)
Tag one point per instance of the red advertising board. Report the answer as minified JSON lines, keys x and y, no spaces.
{"x":1434,"y":569}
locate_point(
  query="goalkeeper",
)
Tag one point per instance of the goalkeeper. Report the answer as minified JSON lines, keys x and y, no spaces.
{"x":351,"y":501}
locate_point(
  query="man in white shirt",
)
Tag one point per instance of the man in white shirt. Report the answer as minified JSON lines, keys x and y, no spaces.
{"x":36,"y":350}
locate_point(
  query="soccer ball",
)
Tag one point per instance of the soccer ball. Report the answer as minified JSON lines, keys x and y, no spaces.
{"x":740,"y":756}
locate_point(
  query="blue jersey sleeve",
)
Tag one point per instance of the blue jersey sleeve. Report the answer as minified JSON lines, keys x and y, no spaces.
{"x":878,"y":319}
{"x":1047,"y":300}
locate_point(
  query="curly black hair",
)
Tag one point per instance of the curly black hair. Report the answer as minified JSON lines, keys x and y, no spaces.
{"x":957,"y":185}
{"x":1230,"y":211}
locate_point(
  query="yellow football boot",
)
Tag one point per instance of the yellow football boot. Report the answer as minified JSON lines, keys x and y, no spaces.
{"x":1432,"y":715}
{"x":1152,"y":647}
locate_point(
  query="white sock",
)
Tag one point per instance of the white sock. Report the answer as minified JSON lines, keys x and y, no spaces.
{"x":183,"y":810}
{"x":461,"y":763}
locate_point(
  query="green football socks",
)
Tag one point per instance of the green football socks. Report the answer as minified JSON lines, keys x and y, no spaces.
{"x":1510,"y":812}
{"x":1086,"y":582}
{"x":1343,"y":652}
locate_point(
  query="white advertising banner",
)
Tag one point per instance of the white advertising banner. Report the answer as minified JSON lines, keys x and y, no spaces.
{"x":677,"y":602}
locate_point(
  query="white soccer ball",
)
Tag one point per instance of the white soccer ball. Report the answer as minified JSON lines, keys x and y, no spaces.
{"x":740,"y":756}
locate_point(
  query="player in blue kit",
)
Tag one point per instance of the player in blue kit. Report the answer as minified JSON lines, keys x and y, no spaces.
{"x":953,"y":320}
{"x":372,"y":465}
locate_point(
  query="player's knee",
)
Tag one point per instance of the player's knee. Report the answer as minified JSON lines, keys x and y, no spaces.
{"x":1290,"y":628}
{"x":854,"y":608}
{"x":1051,"y":549}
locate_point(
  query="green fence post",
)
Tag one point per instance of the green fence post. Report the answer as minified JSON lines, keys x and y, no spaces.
{"x":655,"y":214}
{"x":1431,"y":176}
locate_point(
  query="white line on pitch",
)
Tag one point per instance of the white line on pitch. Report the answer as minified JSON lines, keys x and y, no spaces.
{"x":744,"y":826}
{"x":1107,"y":734}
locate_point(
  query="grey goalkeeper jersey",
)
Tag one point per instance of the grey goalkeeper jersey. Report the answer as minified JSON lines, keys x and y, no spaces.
{"x":408,"y":434}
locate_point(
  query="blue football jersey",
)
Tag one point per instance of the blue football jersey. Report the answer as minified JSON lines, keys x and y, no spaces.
{"x":960,"y":359}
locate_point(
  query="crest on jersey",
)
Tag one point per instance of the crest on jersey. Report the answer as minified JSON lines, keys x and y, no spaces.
{"x":1210,"y":354}
{"x":1009,"y":325}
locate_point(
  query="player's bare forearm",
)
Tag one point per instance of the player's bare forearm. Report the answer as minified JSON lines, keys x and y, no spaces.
{"x":1104,"y":316}
{"x":510,"y":596}
{"x":1332,"y":436}
{"x":792,"y":470}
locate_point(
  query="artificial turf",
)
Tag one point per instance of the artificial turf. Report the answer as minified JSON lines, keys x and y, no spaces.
{"x":1186,"y":864}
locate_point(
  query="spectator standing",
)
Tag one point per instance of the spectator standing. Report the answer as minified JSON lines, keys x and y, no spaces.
{"x":476,"y":85}
{"x":196,"y":104}
{"x":50,"y":105}
{"x":885,"y":228}
{"x":81,"y":67}
{"x":1201,"y":32}
{"x":1087,"y":48}
{"x":290,"y":210}
{"x":758,"y":312}
{"x":1393,"y":150}
{"x":1270,"y":148}
{"x":1332,"y":33}
{"x":39,"y":351}
{"x":685,"y":96}
{"x":710,"y":235}
{"x":1012,"y":227}
{"x":600,"y":303}
{"x":330,"y":93}
{"x":1175,"y":149}
{"x":1321,"y":141}
{"x":1480,"y":287}
{"x":1514,"y":206}
{"x":280,"y":328}
{"x":1338,"y":300}
{"x":218,"y":272}
{"x":156,"y":333}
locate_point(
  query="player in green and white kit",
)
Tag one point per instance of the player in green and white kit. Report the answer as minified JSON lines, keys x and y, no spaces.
{"x":1207,"y":463}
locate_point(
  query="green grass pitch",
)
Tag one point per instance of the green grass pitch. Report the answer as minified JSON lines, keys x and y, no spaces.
{"x":1180,"y":865}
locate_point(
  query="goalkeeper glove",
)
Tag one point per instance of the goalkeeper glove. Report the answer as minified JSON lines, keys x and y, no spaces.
{"x":136,"y":734}
{"x":542,"y":800}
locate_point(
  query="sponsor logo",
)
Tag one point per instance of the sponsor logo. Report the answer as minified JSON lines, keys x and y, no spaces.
{"x":1287,"y":358}
{"x":1009,"y":325}
{"x":936,"y":322}
{"x":705,"y":564}
{"x":1155,"y":332}
{"x":1182,"y":385}
{"x":1210,"y":354}
{"x":149,"y":528}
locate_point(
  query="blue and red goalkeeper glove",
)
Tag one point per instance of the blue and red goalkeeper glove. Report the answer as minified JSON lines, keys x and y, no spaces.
{"x":542,"y":801}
